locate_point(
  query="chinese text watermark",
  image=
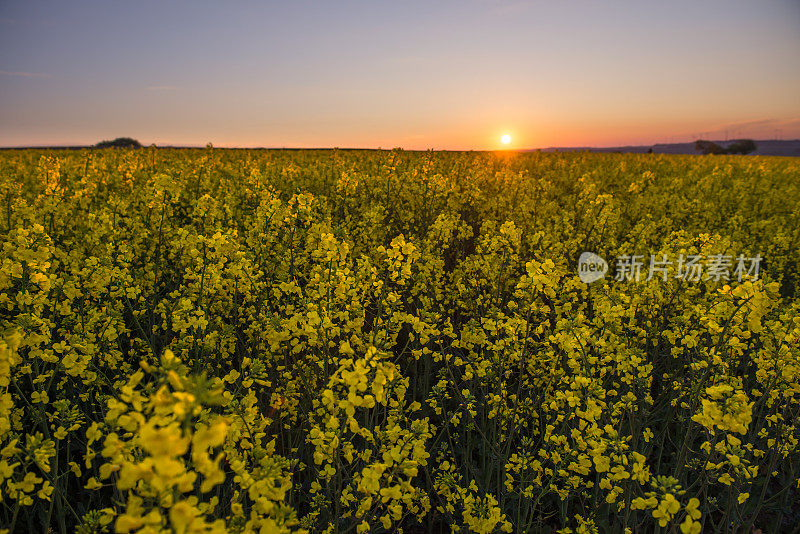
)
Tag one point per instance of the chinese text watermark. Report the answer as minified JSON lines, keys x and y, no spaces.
{"x":692,"y":267}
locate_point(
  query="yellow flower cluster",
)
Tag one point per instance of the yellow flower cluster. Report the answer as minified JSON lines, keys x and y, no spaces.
{"x":368,"y":446}
{"x":725,"y":409}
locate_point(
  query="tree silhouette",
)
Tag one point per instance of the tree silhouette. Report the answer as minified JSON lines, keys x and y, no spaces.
{"x":741,"y":146}
{"x":708,"y":147}
{"x":119,"y":142}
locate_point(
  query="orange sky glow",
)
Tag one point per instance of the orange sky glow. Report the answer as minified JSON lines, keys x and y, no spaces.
{"x":367,"y":74}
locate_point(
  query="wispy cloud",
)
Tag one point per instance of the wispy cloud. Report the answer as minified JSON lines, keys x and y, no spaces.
{"x":163,"y":88}
{"x":24,"y":74}
{"x":763,"y":123}
{"x":761,"y":129}
{"x":765,"y":128}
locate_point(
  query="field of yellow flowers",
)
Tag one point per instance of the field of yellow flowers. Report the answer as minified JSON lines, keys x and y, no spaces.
{"x":385,"y":341}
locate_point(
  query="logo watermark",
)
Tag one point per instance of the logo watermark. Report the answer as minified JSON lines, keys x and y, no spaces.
{"x":692,"y":268}
{"x":591,"y":267}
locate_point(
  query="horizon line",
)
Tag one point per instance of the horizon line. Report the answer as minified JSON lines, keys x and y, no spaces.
{"x":240,"y":147}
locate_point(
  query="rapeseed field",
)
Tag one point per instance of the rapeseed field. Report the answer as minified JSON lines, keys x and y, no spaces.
{"x":342,"y":341}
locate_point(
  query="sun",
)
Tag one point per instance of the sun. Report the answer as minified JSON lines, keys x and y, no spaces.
{"x":506,"y":139}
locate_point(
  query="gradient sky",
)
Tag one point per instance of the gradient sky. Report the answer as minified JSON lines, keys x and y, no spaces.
{"x":411,"y":74}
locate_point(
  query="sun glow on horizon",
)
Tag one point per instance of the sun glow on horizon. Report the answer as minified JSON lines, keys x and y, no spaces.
{"x":505,"y":139}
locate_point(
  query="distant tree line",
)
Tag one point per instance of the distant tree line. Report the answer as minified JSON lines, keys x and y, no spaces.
{"x":740,"y":146}
{"x":119,"y":142}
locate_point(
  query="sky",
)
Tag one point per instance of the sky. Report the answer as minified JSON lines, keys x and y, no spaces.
{"x":416,"y":75}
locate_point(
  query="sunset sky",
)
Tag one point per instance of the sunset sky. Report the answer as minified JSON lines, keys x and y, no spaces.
{"x":418,"y":75}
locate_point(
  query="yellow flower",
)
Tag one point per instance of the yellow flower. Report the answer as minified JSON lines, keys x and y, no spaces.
{"x":93,"y":484}
{"x":126,"y":523}
{"x":181,"y":516}
{"x":210,"y":436}
{"x":692,"y":508}
{"x":690,"y":526}
{"x":726,"y":479}
{"x":166,"y":441}
{"x":39,"y":397}
{"x":666,"y":509}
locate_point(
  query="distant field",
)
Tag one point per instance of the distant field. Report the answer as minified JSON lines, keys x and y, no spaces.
{"x":208,"y":340}
{"x":764,"y":148}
